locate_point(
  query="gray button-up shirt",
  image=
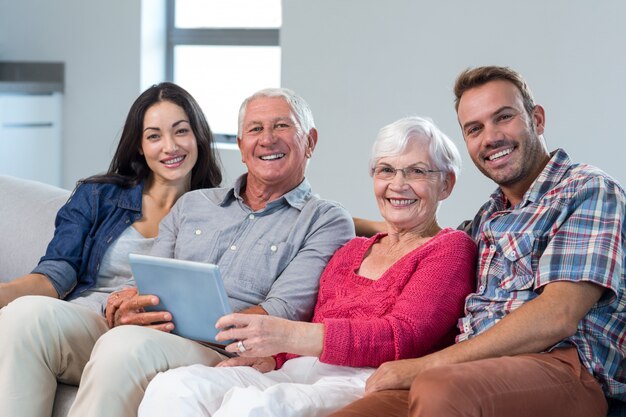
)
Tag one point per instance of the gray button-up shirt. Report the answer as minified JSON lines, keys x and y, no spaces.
{"x":272,"y":257}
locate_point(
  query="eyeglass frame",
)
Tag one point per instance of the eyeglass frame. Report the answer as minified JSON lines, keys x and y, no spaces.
{"x":404,"y":171}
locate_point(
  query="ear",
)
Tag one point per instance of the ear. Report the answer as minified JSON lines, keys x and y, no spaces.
{"x":311,"y":141}
{"x":539,"y":119}
{"x":239,"y":146}
{"x":448,"y":186}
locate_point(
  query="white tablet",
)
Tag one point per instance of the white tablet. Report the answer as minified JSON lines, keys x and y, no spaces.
{"x":193,"y":292}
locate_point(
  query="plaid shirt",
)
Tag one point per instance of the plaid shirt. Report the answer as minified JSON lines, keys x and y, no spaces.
{"x":569,"y":226}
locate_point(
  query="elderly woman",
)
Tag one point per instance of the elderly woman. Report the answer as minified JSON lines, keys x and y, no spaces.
{"x":395,"y":295}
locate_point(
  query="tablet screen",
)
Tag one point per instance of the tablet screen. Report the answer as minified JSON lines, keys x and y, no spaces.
{"x":193,"y":292}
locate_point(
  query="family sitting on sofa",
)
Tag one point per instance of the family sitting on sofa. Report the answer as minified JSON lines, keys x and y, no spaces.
{"x":521,"y":312}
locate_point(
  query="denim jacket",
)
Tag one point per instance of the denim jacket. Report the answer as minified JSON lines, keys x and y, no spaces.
{"x":93,"y":217}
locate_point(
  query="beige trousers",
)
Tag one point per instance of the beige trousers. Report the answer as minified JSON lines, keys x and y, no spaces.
{"x":42,"y":340}
{"x":124,"y":361}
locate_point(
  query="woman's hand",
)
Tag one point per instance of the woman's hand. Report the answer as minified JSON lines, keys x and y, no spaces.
{"x":263,"y":364}
{"x":31,"y":284}
{"x":394,"y":375}
{"x":4,"y":297}
{"x":260,"y":335}
{"x":127,"y":307}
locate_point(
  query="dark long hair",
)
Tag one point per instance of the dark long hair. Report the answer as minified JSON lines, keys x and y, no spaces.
{"x":128,"y":167}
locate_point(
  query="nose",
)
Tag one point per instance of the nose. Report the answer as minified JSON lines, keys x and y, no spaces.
{"x":492,"y":136}
{"x":267,"y":136}
{"x":399,"y":179}
{"x":169,"y":144}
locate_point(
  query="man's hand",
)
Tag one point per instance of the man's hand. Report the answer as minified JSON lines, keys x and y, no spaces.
{"x":127,"y":307}
{"x":263,"y":364}
{"x":534,"y":327}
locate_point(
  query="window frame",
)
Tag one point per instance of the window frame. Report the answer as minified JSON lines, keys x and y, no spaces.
{"x":212,"y":37}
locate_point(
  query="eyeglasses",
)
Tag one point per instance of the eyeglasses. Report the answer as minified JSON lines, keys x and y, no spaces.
{"x":411,"y":173}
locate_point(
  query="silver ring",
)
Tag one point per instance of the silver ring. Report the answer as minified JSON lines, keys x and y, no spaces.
{"x":241,"y":347}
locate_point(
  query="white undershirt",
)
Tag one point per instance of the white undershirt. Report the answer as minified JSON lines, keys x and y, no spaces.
{"x":115,"y":273}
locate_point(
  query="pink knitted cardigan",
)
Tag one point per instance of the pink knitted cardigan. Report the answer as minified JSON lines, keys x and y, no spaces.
{"x":409,"y":311}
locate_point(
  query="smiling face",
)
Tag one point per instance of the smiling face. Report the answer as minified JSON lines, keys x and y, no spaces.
{"x":168,"y":143}
{"x":411,"y":205}
{"x":273,"y":147}
{"x":502,"y":139}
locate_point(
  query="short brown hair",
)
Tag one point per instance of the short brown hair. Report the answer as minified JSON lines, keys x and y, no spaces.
{"x":475,"y":77}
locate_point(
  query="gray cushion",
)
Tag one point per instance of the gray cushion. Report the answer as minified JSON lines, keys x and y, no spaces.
{"x":27,"y":212}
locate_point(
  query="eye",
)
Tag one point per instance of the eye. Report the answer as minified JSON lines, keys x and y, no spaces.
{"x":472,"y":130}
{"x":182,"y":131}
{"x":417,"y":172}
{"x":153,"y":137}
{"x":505,"y":116}
{"x":386,"y":170}
{"x":282,"y":125}
{"x":255,"y":129}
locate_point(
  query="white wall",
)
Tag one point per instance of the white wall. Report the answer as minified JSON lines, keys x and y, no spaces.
{"x":99,"y":41}
{"x":362,"y":64}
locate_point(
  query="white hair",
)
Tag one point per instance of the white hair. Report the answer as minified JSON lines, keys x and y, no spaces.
{"x":393,"y":139}
{"x":300,"y":108}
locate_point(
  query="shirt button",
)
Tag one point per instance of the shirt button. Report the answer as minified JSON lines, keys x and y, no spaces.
{"x":512,"y":253}
{"x":273,"y":248}
{"x":198,"y":232}
{"x":492,"y":247}
{"x":481,"y":288}
{"x":127,"y":221}
{"x":251,"y":216}
{"x":233,"y":247}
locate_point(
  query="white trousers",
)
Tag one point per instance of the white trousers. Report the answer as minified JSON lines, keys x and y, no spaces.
{"x":42,"y":340}
{"x":123,"y":362}
{"x":302,"y":387}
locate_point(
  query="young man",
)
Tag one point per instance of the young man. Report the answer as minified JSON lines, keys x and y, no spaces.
{"x":544,"y":334}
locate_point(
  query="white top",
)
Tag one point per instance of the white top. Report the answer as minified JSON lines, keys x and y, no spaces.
{"x":114,"y":273}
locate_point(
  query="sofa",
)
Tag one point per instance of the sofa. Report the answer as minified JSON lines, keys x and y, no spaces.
{"x":27,"y":211}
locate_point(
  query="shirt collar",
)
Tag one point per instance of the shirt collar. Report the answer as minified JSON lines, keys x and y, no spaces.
{"x":552,"y":173}
{"x":131,"y":198}
{"x":296,"y":198}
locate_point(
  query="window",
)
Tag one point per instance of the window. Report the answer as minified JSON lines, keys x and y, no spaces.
{"x":221,"y":51}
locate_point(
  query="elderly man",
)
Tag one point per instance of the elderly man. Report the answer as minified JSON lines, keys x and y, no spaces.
{"x":544,"y":335}
{"x":268,"y":233}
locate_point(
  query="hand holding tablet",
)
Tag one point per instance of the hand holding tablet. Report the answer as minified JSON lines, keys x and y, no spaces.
{"x":193,"y":292}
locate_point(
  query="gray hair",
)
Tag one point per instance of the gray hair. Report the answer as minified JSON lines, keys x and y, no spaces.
{"x":300,"y":108}
{"x":393,"y":139}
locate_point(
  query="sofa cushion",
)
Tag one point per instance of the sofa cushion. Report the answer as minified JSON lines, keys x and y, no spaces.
{"x":27,"y":212}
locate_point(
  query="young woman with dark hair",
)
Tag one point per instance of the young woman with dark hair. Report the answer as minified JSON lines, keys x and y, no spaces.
{"x":51,"y":318}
